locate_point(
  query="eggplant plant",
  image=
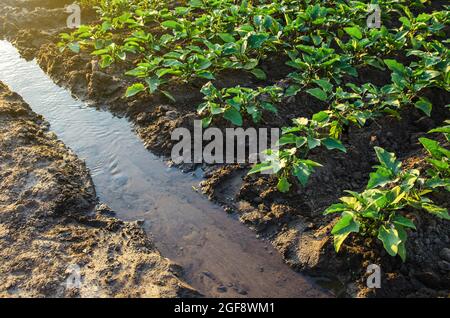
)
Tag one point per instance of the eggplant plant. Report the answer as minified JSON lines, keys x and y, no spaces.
{"x":291,"y":161}
{"x":438,"y":158}
{"x":234,"y":103}
{"x":314,"y":63}
{"x":381,"y":209}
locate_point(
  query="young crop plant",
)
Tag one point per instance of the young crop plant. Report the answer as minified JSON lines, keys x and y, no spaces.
{"x":392,"y":193}
{"x":438,"y":159}
{"x":409,"y":81}
{"x":433,"y":64}
{"x":308,"y":19}
{"x":73,"y":41}
{"x":109,"y":52}
{"x":236,"y":102}
{"x":316,"y":63}
{"x":365,"y":46}
{"x":295,"y":144}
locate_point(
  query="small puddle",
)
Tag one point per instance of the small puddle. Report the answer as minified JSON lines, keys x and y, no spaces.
{"x":220,"y":256}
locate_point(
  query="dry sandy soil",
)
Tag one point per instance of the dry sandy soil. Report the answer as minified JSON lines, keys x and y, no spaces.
{"x":54,"y":233}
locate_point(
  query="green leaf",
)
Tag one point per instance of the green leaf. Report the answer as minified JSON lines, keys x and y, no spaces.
{"x":121,"y":55}
{"x":335,"y":208}
{"x":170,"y":24}
{"x":196,"y":3}
{"x":106,"y":26}
{"x":300,"y":141}
{"x":343,"y":228}
{"x":311,"y":163}
{"x":169,"y":96}
{"x":270,"y":107}
{"x":292,"y":90}
{"x":283,"y":185}
{"x":436,"y":210}
{"x":302,"y":173}
{"x":394,"y":66}
{"x":297,"y":64}
{"x":390,"y":238}
{"x":405,"y":21}
{"x":209,"y":90}
{"x":307,"y":48}
{"x":259,"y":74}
{"x":354,"y":32}
{"x":443,"y":129}
{"x":134,"y":89}
{"x":333,"y":143}
{"x":324,"y":84}
{"x":402,"y":246}
{"x":388,"y":160}
{"x":251,"y":64}
{"x":352,"y":202}
{"x":439,"y":164}
{"x":379,"y":178}
{"x":395,"y":195}
{"x":255,"y":41}
{"x":203,"y":63}
{"x":424,"y":105}
{"x":153,"y":84}
{"x":106,"y":61}
{"x":318,"y":93}
{"x":260,"y":167}
{"x":206,"y":121}
{"x":206,"y":74}
{"x":313,"y":142}
{"x":74,"y":47}
{"x":320,"y":117}
{"x":437,"y":182}
{"x":401,"y":220}
{"x":234,"y":116}
{"x":375,"y":62}
{"x":409,"y":180}
{"x":268,"y":21}
{"x":434,"y":148}
{"x":370,"y":214}
{"x":227,"y":37}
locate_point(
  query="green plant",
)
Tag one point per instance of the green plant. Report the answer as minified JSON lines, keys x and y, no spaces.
{"x":379,"y":210}
{"x":236,"y":102}
{"x":73,"y":40}
{"x":438,"y":158}
{"x":317,"y":63}
{"x":296,"y":142}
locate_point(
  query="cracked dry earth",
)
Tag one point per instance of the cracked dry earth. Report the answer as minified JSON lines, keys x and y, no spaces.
{"x":51,"y":223}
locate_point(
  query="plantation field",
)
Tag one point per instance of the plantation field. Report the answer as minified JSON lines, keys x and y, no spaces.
{"x":359,"y":89}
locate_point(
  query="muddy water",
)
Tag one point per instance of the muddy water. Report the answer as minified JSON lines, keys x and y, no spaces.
{"x":221,"y":257}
